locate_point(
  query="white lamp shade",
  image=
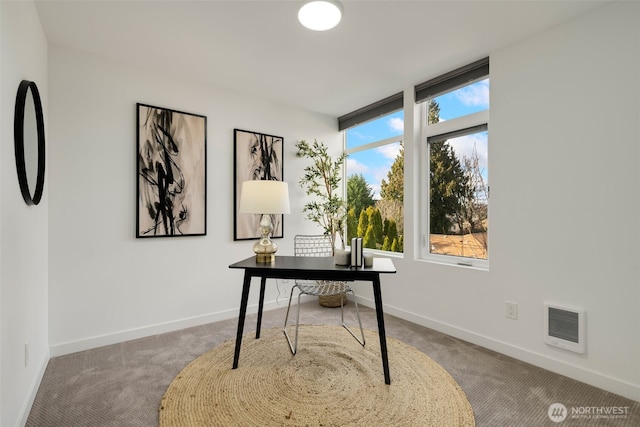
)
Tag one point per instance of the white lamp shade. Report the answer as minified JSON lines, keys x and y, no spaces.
{"x":264,"y":197}
{"x":320,"y":15}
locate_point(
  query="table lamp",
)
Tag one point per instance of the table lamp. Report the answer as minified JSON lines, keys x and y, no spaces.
{"x":265,"y":198}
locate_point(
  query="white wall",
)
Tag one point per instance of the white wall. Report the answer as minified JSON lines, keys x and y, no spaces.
{"x":578,"y":87}
{"x":24,"y":229}
{"x":564,"y":214}
{"x":564,"y":210}
{"x":105,"y":285}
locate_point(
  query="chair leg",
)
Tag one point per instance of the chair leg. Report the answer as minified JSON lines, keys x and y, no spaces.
{"x":294,"y":346}
{"x":355,"y":302}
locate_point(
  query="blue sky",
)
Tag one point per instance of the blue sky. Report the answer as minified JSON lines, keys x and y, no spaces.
{"x":374,"y":164}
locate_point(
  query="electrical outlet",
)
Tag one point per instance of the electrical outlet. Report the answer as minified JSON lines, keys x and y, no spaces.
{"x":511,"y":309}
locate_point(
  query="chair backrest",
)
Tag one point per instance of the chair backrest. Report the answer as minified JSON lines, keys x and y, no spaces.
{"x":312,"y":245}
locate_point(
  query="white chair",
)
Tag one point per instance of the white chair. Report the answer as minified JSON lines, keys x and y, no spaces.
{"x":319,"y":246}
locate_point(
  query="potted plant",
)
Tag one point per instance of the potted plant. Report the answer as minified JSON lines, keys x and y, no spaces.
{"x":321,"y":181}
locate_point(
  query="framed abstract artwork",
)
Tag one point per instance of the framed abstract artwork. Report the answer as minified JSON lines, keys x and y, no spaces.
{"x":257,"y":156}
{"x":171,"y":173}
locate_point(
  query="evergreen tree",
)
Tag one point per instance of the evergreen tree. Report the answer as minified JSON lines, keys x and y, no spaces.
{"x":391,"y":204}
{"x":352,"y":226}
{"x":393,"y":189}
{"x":394,"y":246}
{"x":392,"y":230}
{"x":369,"y":240}
{"x":375,"y":221}
{"x":359,"y":193}
{"x":433,"y":116}
{"x":447,"y":186}
{"x":447,"y":183}
{"x":386,"y":245}
{"x":363,"y":222}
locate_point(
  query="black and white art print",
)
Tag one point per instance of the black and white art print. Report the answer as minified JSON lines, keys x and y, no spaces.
{"x":258,"y":156}
{"x":172,"y":173}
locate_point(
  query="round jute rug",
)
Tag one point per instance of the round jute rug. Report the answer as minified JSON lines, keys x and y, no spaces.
{"x":331,"y":381}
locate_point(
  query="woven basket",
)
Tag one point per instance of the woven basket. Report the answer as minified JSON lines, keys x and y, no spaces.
{"x":333,"y":300}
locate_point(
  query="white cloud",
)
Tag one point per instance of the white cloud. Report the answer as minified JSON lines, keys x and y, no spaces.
{"x":380,"y":174}
{"x":476,"y":94}
{"x":359,"y":135}
{"x":463,"y":146}
{"x":355,"y":167}
{"x":396,"y":124}
{"x":389,"y":151}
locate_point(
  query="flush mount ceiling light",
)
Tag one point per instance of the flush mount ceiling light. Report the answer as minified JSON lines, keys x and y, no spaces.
{"x":320,"y":15}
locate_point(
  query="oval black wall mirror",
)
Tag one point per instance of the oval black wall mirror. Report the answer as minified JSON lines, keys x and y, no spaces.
{"x":28,"y":133}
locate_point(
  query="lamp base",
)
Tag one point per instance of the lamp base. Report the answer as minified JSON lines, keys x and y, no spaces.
{"x":265,"y":258}
{"x":265,"y":249}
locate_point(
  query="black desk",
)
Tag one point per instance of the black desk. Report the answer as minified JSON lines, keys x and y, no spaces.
{"x":311,"y":268}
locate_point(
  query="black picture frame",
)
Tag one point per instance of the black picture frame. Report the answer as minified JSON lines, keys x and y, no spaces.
{"x":171,"y":179}
{"x":257,"y":156}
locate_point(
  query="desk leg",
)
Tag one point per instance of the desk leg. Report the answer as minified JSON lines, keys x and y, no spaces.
{"x":243,"y":312}
{"x":263,"y":282}
{"x":377,"y":293}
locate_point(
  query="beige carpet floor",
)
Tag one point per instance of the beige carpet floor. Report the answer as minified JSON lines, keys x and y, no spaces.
{"x":122,"y":384}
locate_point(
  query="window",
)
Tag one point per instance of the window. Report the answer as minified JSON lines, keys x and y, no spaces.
{"x":455,"y":194}
{"x":375,"y":181}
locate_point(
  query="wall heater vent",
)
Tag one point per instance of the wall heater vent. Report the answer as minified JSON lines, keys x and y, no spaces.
{"x":565,"y":328}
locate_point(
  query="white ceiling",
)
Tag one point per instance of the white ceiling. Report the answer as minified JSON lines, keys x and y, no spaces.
{"x":379,"y":48}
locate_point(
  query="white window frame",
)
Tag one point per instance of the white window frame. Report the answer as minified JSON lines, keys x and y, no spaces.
{"x":428,"y":130}
{"x":371,"y":145}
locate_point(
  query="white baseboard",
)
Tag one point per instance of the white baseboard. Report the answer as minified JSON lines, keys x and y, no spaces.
{"x":146,"y":331}
{"x":587,"y":376}
{"x":33,"y":390}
